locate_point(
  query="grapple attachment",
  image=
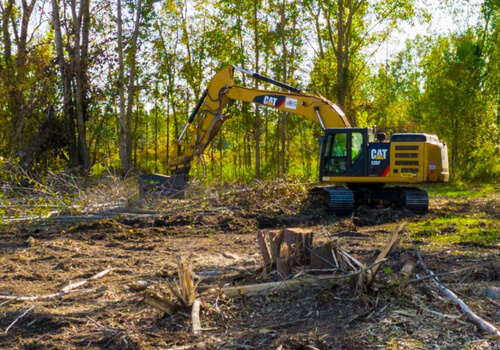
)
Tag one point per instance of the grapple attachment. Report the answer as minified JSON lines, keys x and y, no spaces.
{"x":173,"y":186}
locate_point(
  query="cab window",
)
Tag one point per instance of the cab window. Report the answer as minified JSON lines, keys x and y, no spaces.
{"x":336,"y":153}
{"x":356,"y":145}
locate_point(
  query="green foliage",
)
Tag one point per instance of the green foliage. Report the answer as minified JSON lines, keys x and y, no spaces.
{"x":445,"y":85}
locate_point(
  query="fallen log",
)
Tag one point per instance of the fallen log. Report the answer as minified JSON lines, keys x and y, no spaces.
{"x":267,"y":288}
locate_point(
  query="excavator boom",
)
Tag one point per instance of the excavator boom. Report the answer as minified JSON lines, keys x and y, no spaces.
{"x":208,"y":116}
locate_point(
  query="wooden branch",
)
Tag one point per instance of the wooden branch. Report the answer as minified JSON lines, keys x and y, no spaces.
{"x":483,"y":324}
{"x":392,"y":241}
{"x":427,"y":277}
{"x":267,"y":288}
{"x":64,"y":291}
{"x":105,"y":329}
{"x":33,"y":297}
{"x":18,"y":318}
{"x":101,"y":274}
{"x":72,"y":286}
{"x":195,"y":317}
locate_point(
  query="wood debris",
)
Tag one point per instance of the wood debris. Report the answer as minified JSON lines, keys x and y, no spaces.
{"x":367,"y":279}
{"x":270,"y":287}
{"x":195,"y":317}
{"x":163,"y":303}
{"x":474,"y":318}
{"x":19,"y":317}
{"x":64,"y":291}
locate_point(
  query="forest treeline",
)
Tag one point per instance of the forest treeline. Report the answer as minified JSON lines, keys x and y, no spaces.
{"x":109,"y":84}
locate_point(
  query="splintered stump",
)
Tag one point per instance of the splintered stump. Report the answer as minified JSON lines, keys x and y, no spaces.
{"x":264,"y":250}
{"x":289,"y":247}
{"x":322,"y":256}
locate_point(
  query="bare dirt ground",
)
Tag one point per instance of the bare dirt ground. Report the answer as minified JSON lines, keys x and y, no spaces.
{"x":218,"y":239}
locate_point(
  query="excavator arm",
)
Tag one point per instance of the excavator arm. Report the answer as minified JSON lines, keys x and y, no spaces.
{"x":208,"y":116}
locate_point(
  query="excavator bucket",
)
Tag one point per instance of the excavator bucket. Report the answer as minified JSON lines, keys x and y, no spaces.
{"x":173,"y":186}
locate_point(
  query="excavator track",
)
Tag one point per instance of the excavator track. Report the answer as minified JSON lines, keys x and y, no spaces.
{"x":413,"y":199}
{"x":343,"y":201}
{"x":340,"y":200}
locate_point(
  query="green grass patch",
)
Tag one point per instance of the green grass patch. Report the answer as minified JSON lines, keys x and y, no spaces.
{"x":481,"y":231}
{"x":462,"y":190}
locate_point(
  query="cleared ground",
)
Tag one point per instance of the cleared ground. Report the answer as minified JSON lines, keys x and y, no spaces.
{"x":217,"y":237}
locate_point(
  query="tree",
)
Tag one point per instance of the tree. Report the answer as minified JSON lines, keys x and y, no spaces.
{"x":126,"y":108}
{"x":344,"y":30}
{"x":74,"y":76}
{"x":451,"y":104}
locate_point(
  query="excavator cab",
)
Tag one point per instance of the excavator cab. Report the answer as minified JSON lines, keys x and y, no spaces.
{"x":344,"y":151}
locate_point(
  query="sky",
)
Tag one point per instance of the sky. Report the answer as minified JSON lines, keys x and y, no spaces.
{"x":444,"y":21}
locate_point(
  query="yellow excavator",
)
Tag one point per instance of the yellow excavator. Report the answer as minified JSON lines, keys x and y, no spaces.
{"x":356,"y":162}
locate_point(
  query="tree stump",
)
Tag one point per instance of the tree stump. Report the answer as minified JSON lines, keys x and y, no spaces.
{"x":289,"y":248}
{"x":298,"y":241}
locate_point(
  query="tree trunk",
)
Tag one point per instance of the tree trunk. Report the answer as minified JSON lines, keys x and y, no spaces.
{"x":257,"y":111}
{"x":6,"y":18}
{"x":284,"y":115}
{"x":289,"y":248}
{"x":66,"y":81}
{"x":80,"y":71}
{"x":124,"y":151}
{"x":340,"y":55}
{"x":126,"y":116}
